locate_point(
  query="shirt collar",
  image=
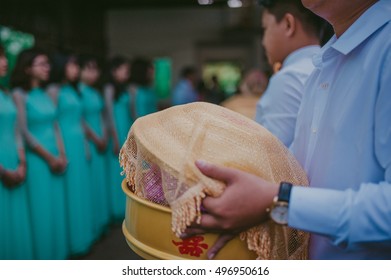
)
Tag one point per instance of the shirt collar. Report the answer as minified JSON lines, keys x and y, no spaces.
{"x":367,"y":24}
{"x":301,"y":53}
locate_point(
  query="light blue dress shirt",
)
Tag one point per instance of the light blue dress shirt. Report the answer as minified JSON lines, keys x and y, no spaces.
{"x":343,"y":141}
{"x":184,"y":93}
{"x":277,"y":108}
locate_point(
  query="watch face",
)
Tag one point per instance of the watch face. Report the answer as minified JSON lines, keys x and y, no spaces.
{"x":279,"y":214}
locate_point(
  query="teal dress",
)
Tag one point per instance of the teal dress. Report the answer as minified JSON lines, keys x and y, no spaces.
{"x":146,"y":101}
{"x":15,"y":225}
{"x":46,"y":190}
{"x":92,"y":111}
{"x":122,"y":122}
{"x":77,"y":180}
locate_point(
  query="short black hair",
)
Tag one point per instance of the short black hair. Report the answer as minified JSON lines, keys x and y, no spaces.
{"x":188,"y":71}
{"x":312,"y":23}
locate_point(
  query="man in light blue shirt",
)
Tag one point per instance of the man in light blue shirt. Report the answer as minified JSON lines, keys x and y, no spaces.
{"x":185,"y":90}
{"x":342,"y":139}
{"x":291,"y":37}
{"x":277,"y":108}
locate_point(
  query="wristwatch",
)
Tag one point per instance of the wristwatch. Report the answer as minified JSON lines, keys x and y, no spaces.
{"x":279,"y":209}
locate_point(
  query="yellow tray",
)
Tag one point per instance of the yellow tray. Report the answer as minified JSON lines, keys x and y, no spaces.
{"x":147,"y":229}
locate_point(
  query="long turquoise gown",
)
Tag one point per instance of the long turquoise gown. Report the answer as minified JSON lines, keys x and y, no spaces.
{"x":92,"y":109}
{"x":122,"y":121}
{"x":46,"y":190}
{"x":77,"y":179}
{"x":146,"y":101}
{"x":15,"y":225}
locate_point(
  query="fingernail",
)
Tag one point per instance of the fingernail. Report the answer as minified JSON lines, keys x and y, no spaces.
{"x":183,"y":236}
{"x":202,"y":163}
{"x":211,"y":256}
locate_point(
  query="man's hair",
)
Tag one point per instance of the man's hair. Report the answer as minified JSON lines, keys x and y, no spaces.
{"x":312,"y":24}
{"x":188,"y":71}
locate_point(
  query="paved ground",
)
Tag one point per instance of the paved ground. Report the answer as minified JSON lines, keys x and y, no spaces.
{"x":112,"y":246}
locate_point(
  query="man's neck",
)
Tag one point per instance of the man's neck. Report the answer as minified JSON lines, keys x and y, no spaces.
{"x":342,"y":23}
{"x":303,"y":41}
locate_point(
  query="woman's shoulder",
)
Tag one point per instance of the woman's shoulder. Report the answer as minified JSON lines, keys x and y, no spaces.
{"x":3,"y":91}
{"x":18,"y":93}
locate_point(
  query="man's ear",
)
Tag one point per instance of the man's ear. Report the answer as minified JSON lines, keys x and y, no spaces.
{"x":290,"y":24}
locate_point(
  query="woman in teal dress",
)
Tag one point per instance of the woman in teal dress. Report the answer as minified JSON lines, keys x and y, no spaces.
{"x":15,"y":225}
{"x":93,"y":111}
{"x":141,"y":85}
{"x":119,"y":110}
{"x":45,"y":155}
{"x":67,"y":98}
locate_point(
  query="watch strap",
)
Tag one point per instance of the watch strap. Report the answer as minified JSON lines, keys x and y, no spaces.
{"x":285,"y":191}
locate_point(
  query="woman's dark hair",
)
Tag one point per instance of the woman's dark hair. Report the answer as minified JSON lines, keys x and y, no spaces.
{"x":312,"y":23}
{"x":86,"y":59}
{"x":2,"y":51}
{"x":19,"y":76}
{"x":140,"y":68}
{"x":58,"y":72}
{"x":113,"y":65}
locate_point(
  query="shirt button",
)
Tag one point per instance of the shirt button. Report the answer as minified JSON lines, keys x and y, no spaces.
{"x":324,"y":86}
{"x":314,"y":130}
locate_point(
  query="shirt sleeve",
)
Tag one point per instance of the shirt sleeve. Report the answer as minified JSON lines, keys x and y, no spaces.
{"x":20,"y":102}
{"x":353,"y":217}
{"x":277,"y":109}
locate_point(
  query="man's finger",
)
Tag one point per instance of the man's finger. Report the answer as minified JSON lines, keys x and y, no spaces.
{"x":208,"y":223}
{"x":189,"y":232}
{"x":220,"y":173}
{"x":220,"y":243}
{"x":209,"y":204}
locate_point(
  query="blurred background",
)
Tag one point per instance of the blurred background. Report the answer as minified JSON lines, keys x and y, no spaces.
{"x":221,"y":39}
{"x":218,"y":37}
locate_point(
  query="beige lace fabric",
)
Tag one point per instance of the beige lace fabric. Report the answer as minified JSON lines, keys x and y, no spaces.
{"x":158,"y":159}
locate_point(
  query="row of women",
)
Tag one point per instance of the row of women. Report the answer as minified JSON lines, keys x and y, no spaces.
{"x":60,"y":182}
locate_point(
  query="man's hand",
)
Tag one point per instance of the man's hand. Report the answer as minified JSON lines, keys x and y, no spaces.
{"x":242,"y":205}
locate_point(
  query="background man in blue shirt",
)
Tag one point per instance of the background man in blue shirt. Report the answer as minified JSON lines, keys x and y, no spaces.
{"x":185,"y":91}
{"x":342,"y":139}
